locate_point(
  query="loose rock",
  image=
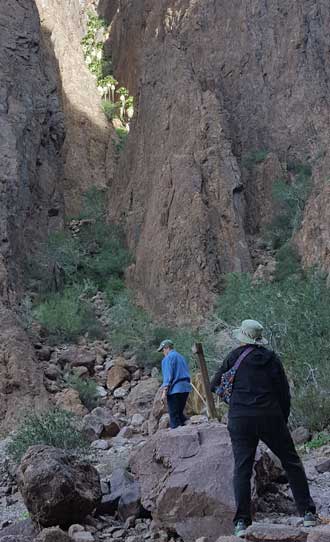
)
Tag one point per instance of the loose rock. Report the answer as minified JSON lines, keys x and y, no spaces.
{"x":53,"y":534}
{"x":69,"y":400}
{"x":116,"y":376}
{"x":57,"y":500}
{"x":99,"y":422}
{"x":141,"y":397}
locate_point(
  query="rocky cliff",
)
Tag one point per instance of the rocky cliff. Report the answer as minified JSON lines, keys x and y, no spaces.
{"x":87,"y":155}
{"x":31,"y":137}
{"x":217,"y":82}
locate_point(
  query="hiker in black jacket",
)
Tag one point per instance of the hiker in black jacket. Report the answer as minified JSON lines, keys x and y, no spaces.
{"x":259,"y":410}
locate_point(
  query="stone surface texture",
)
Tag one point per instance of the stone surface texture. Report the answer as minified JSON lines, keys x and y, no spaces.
{"x":63,"y":499}
{"x":100,"y":422}
{"x":141,"y":397}
{"x":275,"y":533}
{"x":87,"y":154}
{"x":21,"y":380}
{"x":185,"y":477}
{"x":216,"y":81}
{"x":31,"y":204}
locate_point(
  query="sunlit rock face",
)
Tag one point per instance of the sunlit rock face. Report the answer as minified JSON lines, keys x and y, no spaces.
{"x":216,"y":82}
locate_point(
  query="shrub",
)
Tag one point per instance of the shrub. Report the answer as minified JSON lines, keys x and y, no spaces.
{"x":297,"y":321}
{"x":321,"y":439}
{"x":290,"y":200}
{"x":311,"y":405}
{"x":63,"y":250}
{"x":108,"y":259}
{"x":287,"y":262}
{"x":122,"y":134}
{"x":66,"y":315}
{"x":113,"y":287}
{"x":110,"y":109}
{"x":129,"y":324}
{"x":93,"y":205}
{"x":91,"y":256}
{"x":87,"y":389}
{"x":133,"y":329}
{"x":55,"y":427}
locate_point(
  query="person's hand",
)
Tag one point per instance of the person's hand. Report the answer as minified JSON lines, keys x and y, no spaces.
{"x":164,"y":395}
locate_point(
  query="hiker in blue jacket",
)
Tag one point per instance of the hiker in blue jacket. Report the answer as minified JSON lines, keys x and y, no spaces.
{"x":259,"y":409}
{"x":176,"y":382}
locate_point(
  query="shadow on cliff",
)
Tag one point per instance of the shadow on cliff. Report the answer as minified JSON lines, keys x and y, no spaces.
{"x":88,"y":150}
{"x":107,"y":9}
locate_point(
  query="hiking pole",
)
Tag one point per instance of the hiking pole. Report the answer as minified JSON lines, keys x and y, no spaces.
{"x":199,"y":394}
{"x":198,"y":349}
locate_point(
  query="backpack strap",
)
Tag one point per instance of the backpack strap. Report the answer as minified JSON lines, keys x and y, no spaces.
{"x":243,"y":355}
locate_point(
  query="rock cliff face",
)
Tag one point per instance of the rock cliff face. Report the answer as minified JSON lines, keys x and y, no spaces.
{"x":31,"y":137}
{"x":32,"y":133}
{"x":87,"y":155}
{"x":216,"y":82}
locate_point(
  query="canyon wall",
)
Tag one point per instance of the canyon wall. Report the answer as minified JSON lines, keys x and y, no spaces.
{"x":87,"y":154}
{"x":31,"y":202}
{"x":215,"y":83}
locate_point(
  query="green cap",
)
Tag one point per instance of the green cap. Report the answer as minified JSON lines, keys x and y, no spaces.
{"x":164,"y":344}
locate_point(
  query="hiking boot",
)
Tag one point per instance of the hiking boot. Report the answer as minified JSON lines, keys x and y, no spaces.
{"x":240,"y":528}
{"x":309,"y":519}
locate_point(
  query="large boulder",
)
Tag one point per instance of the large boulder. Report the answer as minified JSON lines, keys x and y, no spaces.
{"x":125,"y":496}
{"x":100,"y":422}
{"x":159,"y":409}
{"x":69,"y":400}
{"x":57,"y":487}
{"x":77,"y":357}
{"x":185,"y":477}
{"x":186,"y":480}
{"x":116,"y":376}
{"x":141,"y":397}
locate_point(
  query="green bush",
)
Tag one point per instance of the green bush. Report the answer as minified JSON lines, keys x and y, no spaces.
{"x":113,"y":287}
{"x":55,"y":427}
{"x":290,"y":200}
{"x":87,"y":389}
{"x":92,"y":256}
{"x":311,"y":404}
{"x":94,"y":205}
{"x":287,"y":262}
{"x":129,"y":324}
{"x":133,"y":329}
{"x":122,"y":134}
{"x":110,"y":109}
{"x":296,"y":316}
{"x":66,"y":316}
{"x":321,"y":439}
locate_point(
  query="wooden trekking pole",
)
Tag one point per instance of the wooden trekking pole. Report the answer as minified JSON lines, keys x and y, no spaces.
{"x":198,"y":349}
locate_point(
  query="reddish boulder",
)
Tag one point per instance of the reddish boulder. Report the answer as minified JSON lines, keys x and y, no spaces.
{"x":141,"y":397}
{"x":100,"y":422}
{"x":116,"y":376}
{"x":186,"y":480}
{"x":57,"y":488}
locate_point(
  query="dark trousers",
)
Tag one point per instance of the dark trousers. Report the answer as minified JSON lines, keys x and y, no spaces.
{"x":245,"y":433}
{"x":175,"y":404}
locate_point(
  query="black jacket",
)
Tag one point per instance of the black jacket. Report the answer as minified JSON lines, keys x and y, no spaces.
{"x":260,"y":386}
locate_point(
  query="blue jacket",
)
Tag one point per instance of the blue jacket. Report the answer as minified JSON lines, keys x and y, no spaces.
{"x":176,"y":373}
